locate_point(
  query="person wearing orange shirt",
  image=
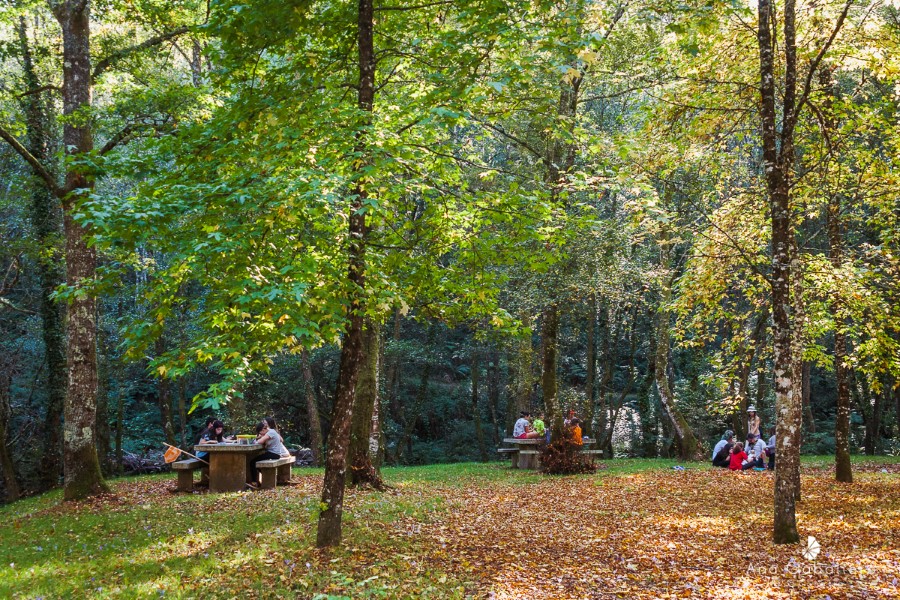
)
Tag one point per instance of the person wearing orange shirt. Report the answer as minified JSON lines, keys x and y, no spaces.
{"x":575,"y":431}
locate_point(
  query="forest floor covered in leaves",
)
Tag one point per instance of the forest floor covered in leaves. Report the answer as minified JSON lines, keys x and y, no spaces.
{"x":636,"y":529}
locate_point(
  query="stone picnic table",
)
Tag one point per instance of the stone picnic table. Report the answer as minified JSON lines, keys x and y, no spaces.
{"x":229,"y":464}
{"x":525,"y":452}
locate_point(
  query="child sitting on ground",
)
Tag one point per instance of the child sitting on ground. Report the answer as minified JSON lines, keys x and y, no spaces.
{"x":738,"y":456}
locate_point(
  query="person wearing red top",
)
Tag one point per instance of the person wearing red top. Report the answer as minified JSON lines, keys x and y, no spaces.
{"x":738,"y":456}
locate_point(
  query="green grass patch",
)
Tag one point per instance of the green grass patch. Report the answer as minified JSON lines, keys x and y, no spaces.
{"x":148,"y":542}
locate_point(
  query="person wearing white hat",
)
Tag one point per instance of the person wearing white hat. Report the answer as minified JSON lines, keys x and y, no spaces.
{"x":752,"y":421}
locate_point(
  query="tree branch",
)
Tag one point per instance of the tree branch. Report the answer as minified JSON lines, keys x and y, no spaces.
{"x":6,"y":303}
{"x":118,"y":138}
{"x":807,"y":85}
{"x":36,"y":165}
{"x":522,"y":143}
{"x":413,"y":7}
{"x":43,"y":88}
{"x":107,"y":62}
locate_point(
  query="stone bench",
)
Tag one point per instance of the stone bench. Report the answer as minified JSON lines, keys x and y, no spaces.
{"x":529,"y":459}
{"x":185,"y":469}
{"x":276,"y":469}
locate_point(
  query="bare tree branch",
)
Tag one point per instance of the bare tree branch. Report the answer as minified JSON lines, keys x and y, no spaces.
{"x":36,"y":165}
{"x":6,"y":303}
{"x":807,"y":85}
{"x":107,"y":62}
{"x":43,"y":88}
{"x":414,"y":6}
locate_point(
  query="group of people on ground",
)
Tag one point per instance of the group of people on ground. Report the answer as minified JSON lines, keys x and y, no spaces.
{"x":528,"y":427}
{"x":267,"y":434}
{"x":738,"y":457}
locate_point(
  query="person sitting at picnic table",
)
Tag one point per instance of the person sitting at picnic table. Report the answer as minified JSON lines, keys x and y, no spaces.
{"x":215,"y":435}
{"x":520,"y":429}
{"x":770,"y":449}
{"x":722,"y":452}
{"x":274,"y":448}
{"x":570,"y":415}
{"x":206,"y":428}
{"x":538,"y":428}
{"x":270,"y":421}
{"x":753,"y":421}
{"x":575,"y":431}
{"x":738,"y":457}
{"x":756,"y":449}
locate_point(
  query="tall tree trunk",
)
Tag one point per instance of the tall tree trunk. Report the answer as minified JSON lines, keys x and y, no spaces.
{"x":778,"y":155}
{"x":196,"y":64}
{"x":591,"y":367}
{"x":808,"y":417}
{"x":476,"y":410}
{"x":312,"y":410}
{"x":688,"y":445}
{"x":626,"y":389}
{"x":798,"y":346}
{"x":6,"y":463}
{"x":649,"y":422}
{"x":896,"y":395}
{"x":549,"y":383}
{"x":493,"y":394}
{"x":45,"y":221}
{"x":603,"y":388}
{"x":329,"y":528}
{"x":873,"y":425}
{"x":404,"y":445}
{"x":362,"y":465}
{"x":523,"y":376}
{"x":120,"y":425}
{"x":81,"y":465}
{"x":393,"y":374}
{"x":164,"y":400}
{"x":182,"y":411}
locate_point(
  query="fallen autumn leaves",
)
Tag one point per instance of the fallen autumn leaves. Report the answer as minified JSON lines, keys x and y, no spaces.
{"x":480,"y":531}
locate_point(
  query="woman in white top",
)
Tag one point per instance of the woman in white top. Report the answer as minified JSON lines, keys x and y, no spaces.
{"x":753,"y":421}
{"x":274,"y":448}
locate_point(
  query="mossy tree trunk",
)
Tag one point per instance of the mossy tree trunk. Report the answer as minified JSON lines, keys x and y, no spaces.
{"x":689,"y":447}
{"x":362,"y":463}
{"x":45,"y":221}
{"x":13,"y":492}
{"x":81,"y":465}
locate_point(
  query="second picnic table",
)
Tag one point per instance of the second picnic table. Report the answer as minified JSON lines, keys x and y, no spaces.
{"x":525,"y":452}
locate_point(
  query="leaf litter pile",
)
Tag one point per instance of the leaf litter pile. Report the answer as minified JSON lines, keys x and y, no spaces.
{"x":672,"y":534}
{"x":479,"y":531}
